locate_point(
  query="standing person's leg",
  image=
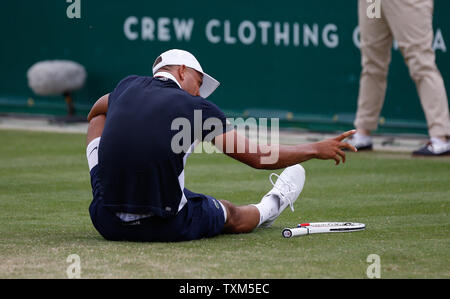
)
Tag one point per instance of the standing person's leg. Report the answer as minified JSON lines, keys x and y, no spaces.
{"x":411,"y":23}
{"x":375,"y":45}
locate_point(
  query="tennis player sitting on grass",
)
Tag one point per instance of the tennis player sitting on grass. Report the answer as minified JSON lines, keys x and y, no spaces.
{"x":138,"y":179}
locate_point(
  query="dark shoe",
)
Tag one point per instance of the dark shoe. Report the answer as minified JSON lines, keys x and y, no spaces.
{"x":361,"y":145}
{"x":367,"y":147}
{"x":433,"y":151}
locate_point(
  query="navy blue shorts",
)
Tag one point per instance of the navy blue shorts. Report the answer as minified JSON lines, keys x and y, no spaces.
{"x":201,"y":217}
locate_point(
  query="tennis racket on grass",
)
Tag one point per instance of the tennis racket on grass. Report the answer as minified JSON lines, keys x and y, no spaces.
{"x":322,"y":227}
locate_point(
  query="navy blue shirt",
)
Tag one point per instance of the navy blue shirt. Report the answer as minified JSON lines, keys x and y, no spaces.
{"x":139,"y":170}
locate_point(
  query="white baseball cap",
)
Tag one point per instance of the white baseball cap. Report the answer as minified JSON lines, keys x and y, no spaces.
{"x":180,"y":57}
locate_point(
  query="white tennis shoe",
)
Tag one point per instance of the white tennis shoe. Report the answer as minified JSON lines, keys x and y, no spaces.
{"x":286,"y":190}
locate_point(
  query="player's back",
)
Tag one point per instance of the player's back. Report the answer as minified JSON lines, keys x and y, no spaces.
{"x":138,"y":168}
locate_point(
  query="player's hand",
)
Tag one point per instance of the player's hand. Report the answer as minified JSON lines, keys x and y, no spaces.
{"x":332,"y":148}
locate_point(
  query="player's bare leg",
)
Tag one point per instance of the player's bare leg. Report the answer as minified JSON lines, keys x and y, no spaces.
{"x":95,"y":127}
{"x":240,"y":219}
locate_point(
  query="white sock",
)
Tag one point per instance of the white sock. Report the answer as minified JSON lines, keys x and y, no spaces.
{"x":362,"y":138}
{"x":438,"y":142}
{"x":268,"y":207}
{"x":439,"y":146}
{"x":92,"y":153}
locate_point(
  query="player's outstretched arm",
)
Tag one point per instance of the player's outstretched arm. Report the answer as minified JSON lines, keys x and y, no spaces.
{"x":281,"y":156}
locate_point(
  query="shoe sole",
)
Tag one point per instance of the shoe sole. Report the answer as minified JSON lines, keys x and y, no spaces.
{"x":430,"y":155}
{"x":365,"y":148}
{"x":362,"y":148}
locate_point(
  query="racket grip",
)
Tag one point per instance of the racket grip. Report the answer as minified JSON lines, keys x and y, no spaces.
{"x":294,"y":232}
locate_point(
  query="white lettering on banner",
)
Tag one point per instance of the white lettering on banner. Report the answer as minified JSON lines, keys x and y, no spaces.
{"x":227,"y":35}
{"x":439,"y":43}
{"x":310,"y":35}
{"x":330,"y":40}
{"x":209,"y":31}
{"x":147,"y":29}
{"x":395,"y":44}
{"x":296,"y":33}
{"x":161,"y":30}
{"x":250,"y":28}
{"x":276,"y":33}
{"x":183,"y":28}
{"x":246,"y":32}
{"x":264,"y":25}
{"x":127,"y":28}
{"x":281,"y":34}
{"x":356,"y":37}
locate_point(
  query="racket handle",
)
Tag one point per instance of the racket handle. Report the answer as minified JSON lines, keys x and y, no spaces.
{"x":294,"y":232}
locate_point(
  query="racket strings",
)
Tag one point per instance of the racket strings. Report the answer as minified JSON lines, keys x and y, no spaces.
{"x":284,"y":191}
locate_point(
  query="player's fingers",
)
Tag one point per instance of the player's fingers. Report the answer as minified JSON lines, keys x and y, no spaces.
{"x":336,"y":160}
{"x":348,"y":146}
{"x":342,"y":154}
{"x":345,"y":135}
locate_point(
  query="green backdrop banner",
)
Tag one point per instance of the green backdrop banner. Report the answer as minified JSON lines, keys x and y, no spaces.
{"x":298,"y":60}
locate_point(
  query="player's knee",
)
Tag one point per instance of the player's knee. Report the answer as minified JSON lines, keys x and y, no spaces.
{"x":419,"y":71}
{"x":95,"y":127}
{"x":373,"y":69}
{"x":372,"y":65}
{"x":420,"y":62}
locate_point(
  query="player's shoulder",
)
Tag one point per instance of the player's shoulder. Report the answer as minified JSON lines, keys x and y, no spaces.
{"x":201,"y":103}
{"x":126,"y":81}
{"x":124,"y":84}
{"x":181,"y":93}
{"x":132,"y":78}
{"x":193,"y":102}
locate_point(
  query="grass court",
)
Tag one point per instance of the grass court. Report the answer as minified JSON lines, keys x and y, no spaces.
{"x":404,"y":202}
